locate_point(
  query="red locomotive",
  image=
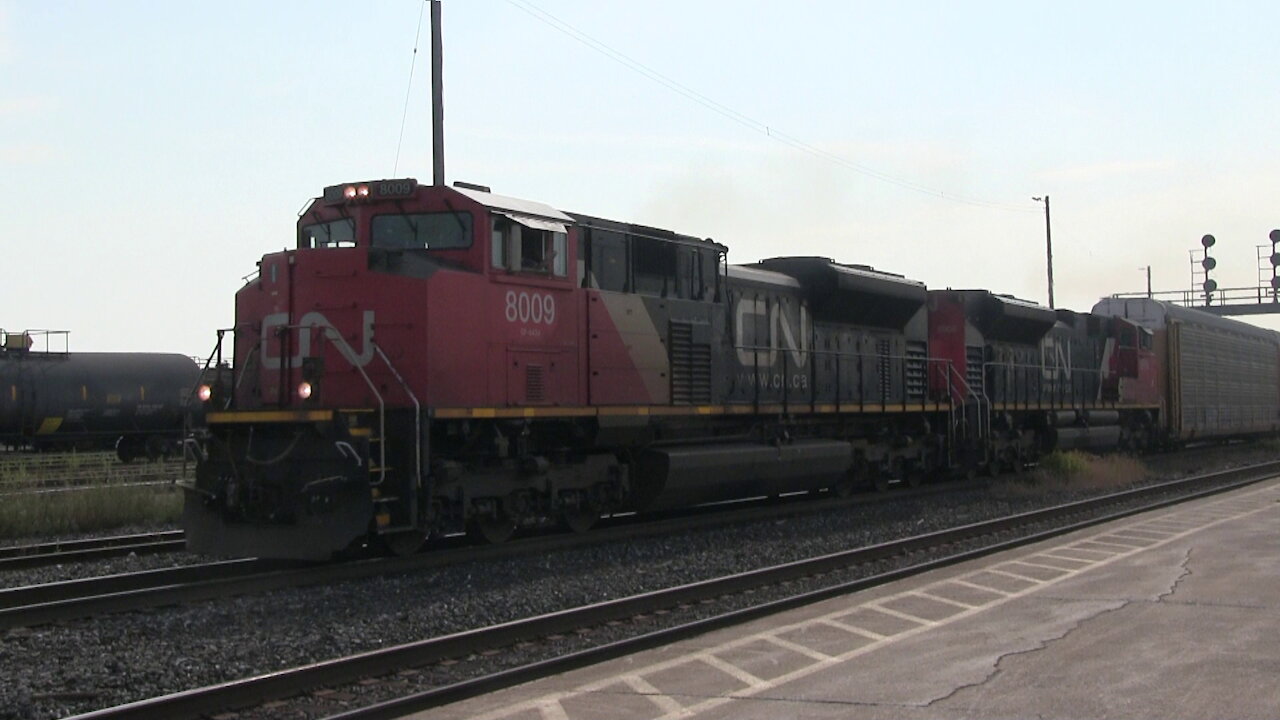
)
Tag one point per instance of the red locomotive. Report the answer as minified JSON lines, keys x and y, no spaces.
{"x":435,"y":359}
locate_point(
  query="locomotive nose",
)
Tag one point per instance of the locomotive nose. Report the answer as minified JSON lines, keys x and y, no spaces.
{"x":300,"y":494}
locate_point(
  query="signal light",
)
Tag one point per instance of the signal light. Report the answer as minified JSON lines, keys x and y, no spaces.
{"x":1210,"y":285}
{"x":204,"y":392}
{"x":1208,"y":263}
{"x":1207,"y":241}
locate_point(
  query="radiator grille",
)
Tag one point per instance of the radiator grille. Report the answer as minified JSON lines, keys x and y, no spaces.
{"x":884,"y":368}
{"x":917,"y":360}
{"x":690,"y":366}
{"x":535,"y":388}
{"x":973,"y":372}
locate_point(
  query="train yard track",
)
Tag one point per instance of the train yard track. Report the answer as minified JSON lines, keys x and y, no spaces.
{"x":16,"y":557}
{"x":566,"y":639}
{"x":27,"y":472}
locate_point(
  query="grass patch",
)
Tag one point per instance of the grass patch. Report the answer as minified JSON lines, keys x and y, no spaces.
{"x":1074,"y":471}
{"x":88,"y":510}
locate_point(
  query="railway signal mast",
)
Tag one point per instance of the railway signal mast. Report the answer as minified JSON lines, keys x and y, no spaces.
{"x":1206,"y":295}
{"x":1209,"y":286}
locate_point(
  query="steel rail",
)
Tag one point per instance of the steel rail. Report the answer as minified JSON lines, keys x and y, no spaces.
{"x":14,"y":557}
{"x":287,"y":683}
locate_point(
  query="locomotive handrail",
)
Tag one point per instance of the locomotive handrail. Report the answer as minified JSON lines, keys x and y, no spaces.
{"x":983,"y":402}
{"x":333,"y":335}
{"x":238,"y":379}
{"x":417,"y":431}
{"x":861,"y":399}
{"x":1058,"y":395}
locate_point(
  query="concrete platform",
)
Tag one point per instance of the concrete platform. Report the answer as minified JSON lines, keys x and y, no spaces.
{"x":1173,"y":614}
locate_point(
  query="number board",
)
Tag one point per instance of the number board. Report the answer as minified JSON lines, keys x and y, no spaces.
{"x":371,"y":190}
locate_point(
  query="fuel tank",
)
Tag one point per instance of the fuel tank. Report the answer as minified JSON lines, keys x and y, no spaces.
{"x":677,"y":476}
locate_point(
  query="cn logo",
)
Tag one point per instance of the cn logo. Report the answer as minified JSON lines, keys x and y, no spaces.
{"x":306,"y":328}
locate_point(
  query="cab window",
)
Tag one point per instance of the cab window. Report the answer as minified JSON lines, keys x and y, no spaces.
{"x":422,"y":231}
{"x":336,"y":234}
{"x":654,"y":267}
{"x":1127,"y":337}
{"x":529,"y":246}
{"x":608,"y":261}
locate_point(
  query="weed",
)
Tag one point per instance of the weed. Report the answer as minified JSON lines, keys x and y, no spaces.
{"x":88,"y":510}
{"x":1074,"y":471}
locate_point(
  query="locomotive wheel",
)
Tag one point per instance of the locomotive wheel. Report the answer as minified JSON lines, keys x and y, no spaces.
{"x":492,"y":529}
{"x":846,"y":486}
{"x":880,"y":479}
{"x":404,"y":544}
{"x":580,"y":519}
{"x":1015,"y":461}
{"x":156,"y":448}
{"x":127,"y":450}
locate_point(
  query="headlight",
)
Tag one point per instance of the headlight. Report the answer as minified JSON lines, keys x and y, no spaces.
{"x":204,"y":392}
{"x":304,"y":390}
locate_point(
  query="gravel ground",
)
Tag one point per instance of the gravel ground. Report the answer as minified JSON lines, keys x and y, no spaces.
{"x":56,"y":670}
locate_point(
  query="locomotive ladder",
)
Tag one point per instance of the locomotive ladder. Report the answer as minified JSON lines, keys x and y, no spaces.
{"x":981,"y":405}
{"x":380,"y":437}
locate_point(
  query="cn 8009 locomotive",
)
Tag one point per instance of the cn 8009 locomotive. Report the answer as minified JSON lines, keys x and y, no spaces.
{"x":432,"y":360}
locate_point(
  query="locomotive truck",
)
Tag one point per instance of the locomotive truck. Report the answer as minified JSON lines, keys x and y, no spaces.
{"x":431,"y":360}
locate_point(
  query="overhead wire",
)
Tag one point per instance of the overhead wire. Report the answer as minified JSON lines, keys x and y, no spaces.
{"x":409,"y":91}
{"x":745,"y":120}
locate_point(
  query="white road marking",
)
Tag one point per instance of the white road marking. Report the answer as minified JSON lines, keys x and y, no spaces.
{"x":998,"y":571}
{"x":869,"y":634}
{"x":949,"y":601}
{"x":905,"y":616}
{"x":732,"y":670}
{"x":976,"y":586}
{"x":1046,"y":566}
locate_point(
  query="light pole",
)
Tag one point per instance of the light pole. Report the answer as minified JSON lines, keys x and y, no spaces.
{"x":1048,"y":244}
{"x":1148,"y":271}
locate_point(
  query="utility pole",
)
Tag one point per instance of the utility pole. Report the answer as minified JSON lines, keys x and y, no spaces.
{"x":1148,"y":269}
{"x":1048,"y":244}
{"x":437,"y":97}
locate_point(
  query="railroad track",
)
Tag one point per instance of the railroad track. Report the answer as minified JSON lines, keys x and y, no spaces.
{"x":67,"y":600}
{"x":676,"y":604}
{"x":16,"y":557}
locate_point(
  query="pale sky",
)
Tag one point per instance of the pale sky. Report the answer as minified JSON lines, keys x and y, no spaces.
{"x":151,"y":152}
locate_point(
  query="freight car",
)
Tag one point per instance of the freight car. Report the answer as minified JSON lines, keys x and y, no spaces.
{"x":133,"y":403}
{"x":1219,"y":377}
{"x":431,"y":360}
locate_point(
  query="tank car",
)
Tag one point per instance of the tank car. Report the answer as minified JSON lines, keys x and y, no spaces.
{"x":132,"y":402}
{"x":431,"y":360}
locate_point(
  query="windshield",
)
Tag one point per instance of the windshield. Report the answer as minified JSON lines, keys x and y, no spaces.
{"x":339,"y":233}
{"x":429,"y":231}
